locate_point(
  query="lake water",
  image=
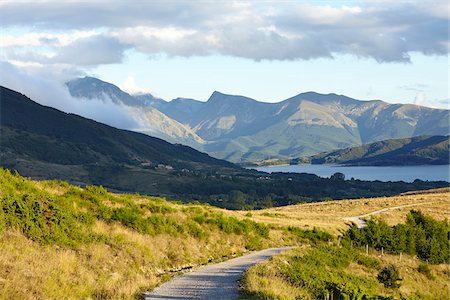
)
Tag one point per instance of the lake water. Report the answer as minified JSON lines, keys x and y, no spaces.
{"x":392,"y":173}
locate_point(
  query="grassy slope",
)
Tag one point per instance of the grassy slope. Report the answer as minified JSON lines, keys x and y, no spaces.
{"x":274,"y":279}
{"x":353,"y":271}
{"x":330,"y":215}
{"x":59,"y":240}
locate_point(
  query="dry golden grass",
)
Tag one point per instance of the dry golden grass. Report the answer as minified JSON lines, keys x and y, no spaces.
{"x":130,"y":262}
{"x":266,"y":278}
{"x":415,"y":283}
{"x":121,"y":266}
{"x":330,"y":215}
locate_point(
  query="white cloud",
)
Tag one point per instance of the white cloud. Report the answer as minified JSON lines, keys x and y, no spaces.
{"x":50,"y":92}
{"x":130,"y":86}
{"x":385,"y":31}
{"x":34,"y":39}
{"x":420,"y":98}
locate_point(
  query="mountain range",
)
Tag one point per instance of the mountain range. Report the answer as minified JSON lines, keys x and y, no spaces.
{"x":44,"y":143}
{"x":241,"y":129}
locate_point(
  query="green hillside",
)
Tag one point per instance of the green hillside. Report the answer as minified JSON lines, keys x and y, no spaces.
{"x":386,"y":269}
{"x":422,"y":150}
{"x":61,"y":241}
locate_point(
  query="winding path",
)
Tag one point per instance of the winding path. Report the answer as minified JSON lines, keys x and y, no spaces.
{"x":360,"y":221}
{"x":218,"y":282}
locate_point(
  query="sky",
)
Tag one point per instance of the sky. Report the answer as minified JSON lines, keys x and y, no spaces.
{"x":396,"y":51}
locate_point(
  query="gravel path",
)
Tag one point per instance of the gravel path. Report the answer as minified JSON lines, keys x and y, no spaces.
{"x":360,"y":221}
{"x":218,"y":282}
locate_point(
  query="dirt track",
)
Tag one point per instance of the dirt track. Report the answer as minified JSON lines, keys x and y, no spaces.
{"x":360,"y":221}
{"x":218,"y":282}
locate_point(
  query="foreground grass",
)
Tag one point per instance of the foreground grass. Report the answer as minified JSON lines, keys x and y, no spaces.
{"x":330,"y":215}
{"x":61,"y":241}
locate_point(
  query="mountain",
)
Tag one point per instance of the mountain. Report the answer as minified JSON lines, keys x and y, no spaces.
{"x":45,"y":143}
{"x":93,"y":88}
{"x":419,"y":150}
{"x":155,"y":123}
{"x":61,"y":138}
{"x":237,"y":128}
{"x":241,"y":129}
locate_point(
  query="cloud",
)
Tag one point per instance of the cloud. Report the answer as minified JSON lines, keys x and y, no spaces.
{"x":130,"y":86}
{"x":50,"y":92}
{"x":417,"y":87}
{"x":83,"y":52}
{"x":439,"y":103}
{"x":386,"y":31}
{"x":420,"y":98}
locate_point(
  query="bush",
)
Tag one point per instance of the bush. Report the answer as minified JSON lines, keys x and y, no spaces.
{"x":321,"y":271}
{"x":425,"y":270}
{"x":389,"y":277}
{"x":421,"y":235}
{"x":315,"y":235}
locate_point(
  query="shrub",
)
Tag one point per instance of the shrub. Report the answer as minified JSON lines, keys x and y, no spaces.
{"x":315,"y":235}
{"x":425,"y":270}
{"x":389,"y":277}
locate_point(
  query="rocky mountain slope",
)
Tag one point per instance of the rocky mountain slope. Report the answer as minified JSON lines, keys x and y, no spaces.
{"x":238,"y":128}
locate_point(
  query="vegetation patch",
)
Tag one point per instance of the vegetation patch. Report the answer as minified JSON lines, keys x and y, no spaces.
{"x":346,"y":270}
{"x":421,"y":235}
{"x":59,"y":240}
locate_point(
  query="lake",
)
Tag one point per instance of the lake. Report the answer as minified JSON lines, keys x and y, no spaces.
{"x":391,"y":173}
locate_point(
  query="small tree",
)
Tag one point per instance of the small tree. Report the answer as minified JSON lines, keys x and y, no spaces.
{"x":389,"y":276}
{"x":338,"y":176}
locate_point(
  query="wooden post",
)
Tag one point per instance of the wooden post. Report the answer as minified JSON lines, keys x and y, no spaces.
{"x":382,"y":251}
{"x":367,"y":249}
{"x":400,"y":257}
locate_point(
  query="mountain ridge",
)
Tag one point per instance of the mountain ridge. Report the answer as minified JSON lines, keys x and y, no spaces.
{"x":239,"y":128}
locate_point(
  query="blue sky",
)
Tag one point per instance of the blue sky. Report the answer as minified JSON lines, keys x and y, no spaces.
{"x":390,"y":50}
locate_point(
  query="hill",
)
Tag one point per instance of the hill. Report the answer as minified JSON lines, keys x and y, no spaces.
{"x":60,"y":241}
{"x":241,"y":129}
{"x":332,"y":216}
{"x":421,"y":150}
{"x":403,"y":258}
{"x":44,"y":143}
